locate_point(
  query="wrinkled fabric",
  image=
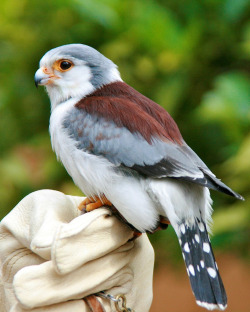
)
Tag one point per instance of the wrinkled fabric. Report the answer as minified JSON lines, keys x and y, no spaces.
{"x":52,"y":256}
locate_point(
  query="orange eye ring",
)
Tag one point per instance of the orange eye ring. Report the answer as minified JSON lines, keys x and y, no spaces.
{"x":63,"y":65}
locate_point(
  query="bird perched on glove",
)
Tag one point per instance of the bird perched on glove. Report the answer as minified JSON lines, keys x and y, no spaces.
{"x":122,"y":148}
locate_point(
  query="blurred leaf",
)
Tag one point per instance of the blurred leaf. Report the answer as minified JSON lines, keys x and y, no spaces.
{"x":246,"y":41}
{"x":232,"y":10}
{"x":98,"y":11}
{"x":237,"y":168}
{"x":235,"y":218}
{"x":228,"y":104}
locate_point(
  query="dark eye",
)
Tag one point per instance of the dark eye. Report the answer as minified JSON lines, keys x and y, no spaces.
{"x":64,"y":65}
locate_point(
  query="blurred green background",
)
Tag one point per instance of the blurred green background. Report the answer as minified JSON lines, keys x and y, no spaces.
{"x":192,"y":57}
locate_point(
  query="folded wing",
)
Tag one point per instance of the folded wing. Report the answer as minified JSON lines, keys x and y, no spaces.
{"x":131,"y":138}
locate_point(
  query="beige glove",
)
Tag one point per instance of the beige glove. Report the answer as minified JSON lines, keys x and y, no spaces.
{"x":52,"y":256}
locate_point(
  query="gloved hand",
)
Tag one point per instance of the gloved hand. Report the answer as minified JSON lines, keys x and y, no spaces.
{"x":52,"y":256}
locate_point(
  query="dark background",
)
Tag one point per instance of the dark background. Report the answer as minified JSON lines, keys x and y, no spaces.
{"x":192,"y":57}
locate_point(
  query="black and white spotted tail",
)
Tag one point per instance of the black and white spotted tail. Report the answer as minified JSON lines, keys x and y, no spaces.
{"x":202,"y":269}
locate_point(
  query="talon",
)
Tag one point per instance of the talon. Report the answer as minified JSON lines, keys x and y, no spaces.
{"x":92,"y":203}
{"x":82,"y":206}
{"x":164,"y":220}
{"x":137,"y":234}
{"x":93,"y":206}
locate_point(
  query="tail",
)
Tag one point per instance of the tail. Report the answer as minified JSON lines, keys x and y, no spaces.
{"x":201,"y":267}
{"x":215,"y":184}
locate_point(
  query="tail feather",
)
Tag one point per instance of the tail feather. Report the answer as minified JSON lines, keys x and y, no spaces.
{"x":217,"y":185}
{"x":201,"y":267}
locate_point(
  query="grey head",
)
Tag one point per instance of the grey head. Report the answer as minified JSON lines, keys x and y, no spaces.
{"x":74,"y":70}
{"x":99,"y":65}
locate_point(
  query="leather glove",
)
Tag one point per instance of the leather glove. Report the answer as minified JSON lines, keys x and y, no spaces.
{"x":52,"y":256}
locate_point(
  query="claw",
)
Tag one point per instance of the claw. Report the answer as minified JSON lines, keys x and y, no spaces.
{"x":92,"y":203}
{"x":164,"y":220}
{"x":82,"y":206}
{"x":136,"y":234}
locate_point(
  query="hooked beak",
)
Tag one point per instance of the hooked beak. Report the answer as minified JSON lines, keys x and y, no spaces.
{"x":41,"y":78}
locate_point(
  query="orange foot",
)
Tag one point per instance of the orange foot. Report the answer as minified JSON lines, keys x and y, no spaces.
{"x":164,"y":220}
{"x":136,"y":235}
{"x":92,"y":203}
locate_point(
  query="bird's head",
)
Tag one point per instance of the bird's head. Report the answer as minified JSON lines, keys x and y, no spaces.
{"x":74,"y":71}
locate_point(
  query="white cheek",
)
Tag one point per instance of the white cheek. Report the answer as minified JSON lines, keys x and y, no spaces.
{"x":77,"y":80}
{"x":74,"y":83}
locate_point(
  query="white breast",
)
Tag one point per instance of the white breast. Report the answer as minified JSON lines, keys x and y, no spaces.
{"x":95,"y":175}
{"x":90,"y":173}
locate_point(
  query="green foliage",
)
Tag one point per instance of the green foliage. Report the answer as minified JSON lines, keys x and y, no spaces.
{"x":228,"y":105}
{"x":189,"y":56}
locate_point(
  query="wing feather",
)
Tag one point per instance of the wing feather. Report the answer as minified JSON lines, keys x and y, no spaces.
{"x":151,"y":153}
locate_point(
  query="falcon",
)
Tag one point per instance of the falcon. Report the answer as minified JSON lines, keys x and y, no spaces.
{"x":125,"y":150}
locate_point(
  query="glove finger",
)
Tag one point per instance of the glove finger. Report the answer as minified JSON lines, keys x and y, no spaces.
{"x":34,"y":222}
{"x":17,"y":260}
{"x":88,"y":237}
{"x":40,"y":285}
{"x":49,"y":210}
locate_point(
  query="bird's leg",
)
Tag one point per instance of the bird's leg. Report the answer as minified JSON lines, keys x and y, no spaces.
{"x":92,"y":203}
